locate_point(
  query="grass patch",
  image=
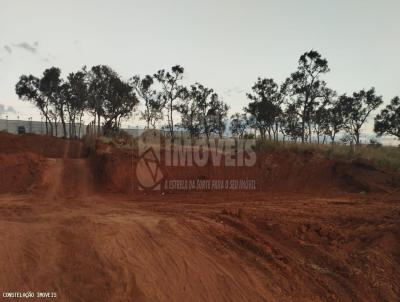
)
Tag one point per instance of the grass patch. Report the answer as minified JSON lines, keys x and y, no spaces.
{"x":384,"y":156}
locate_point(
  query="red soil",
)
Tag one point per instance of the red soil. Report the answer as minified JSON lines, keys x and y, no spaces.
{"x":283,"y":171}
{"x":303,"y":236}
{"x":43,"y":145}
{"x":19,"y":171}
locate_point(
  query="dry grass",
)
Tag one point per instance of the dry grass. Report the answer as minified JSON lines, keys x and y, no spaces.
{"x":385,"y":156}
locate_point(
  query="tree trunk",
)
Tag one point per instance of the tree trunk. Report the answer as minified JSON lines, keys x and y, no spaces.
{"x":80,"y":125}
{"x":64,"y":127}
{"x":171,"y":121}
{"x":357,"y":138}
{"x":47,"y":125}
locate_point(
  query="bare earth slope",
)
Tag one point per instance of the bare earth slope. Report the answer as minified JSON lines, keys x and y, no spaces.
{"x":63,"y":235}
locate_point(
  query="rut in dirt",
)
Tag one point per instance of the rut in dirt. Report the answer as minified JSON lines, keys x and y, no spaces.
{"x":69,"y":176}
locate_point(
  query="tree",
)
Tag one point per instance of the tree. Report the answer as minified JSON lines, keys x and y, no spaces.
{"x":75,"y":92}
{"x":202,"y":111}
{"x":334,"y":119}
{"x":387,"y":122}
{"x":50,"y":86}
{"x":191,"y":117}
{"x":265,"y":106}
{"x":306,"y":87}
{"x":290,"y":123}
{"x":323,"y":118}
{"x":45,"y":94}
{"x":357,"y":109}
{"x":153,"y":103}
{"x":99,"y":78}
{"x":319,"y":120}
{"x":239,"y":124}
{"x":27,"y":89}
{"x":119,"y":103}
{"x":172,"y":91}
{"x":216,"y":115}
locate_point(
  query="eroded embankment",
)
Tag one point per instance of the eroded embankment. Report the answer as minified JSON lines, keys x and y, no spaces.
{"x":284,"y":171}
{"x":43,"y":145}
{"x":19,"y":171}
{"x":26,"y":159}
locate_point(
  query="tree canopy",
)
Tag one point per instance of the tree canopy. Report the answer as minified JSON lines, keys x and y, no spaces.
{"x":302,"y":107}
{"x":387,"y":122}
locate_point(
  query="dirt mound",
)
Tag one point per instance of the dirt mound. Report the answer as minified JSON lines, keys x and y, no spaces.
{"x":19,"y":171}
{"x":43,"y":145}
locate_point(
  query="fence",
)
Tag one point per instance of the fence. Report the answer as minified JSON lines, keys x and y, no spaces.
{"x":37,"y":127}
{"x":13,"y":126}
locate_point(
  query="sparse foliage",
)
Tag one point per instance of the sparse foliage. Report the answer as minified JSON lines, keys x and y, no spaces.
{"x":387,"y":122}
{"x":265,"y":107}
{"x":303,"y":107}
{"x":172,"y":90}
{"x":239,"y":124}
{"x":153,"y":102}
{"x":306,"y":88}
{"x":357,"y":109}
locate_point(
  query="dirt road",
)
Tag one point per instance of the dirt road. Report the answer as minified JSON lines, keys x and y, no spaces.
{"x":228,"y":248}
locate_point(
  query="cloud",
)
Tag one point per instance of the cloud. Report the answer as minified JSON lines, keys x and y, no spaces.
{"x":4,"y":109}
{"x":28,"y":47}
{"x":8,"y":49}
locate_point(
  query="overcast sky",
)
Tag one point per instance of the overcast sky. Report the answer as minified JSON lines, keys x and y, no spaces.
{"x":224,"y":44}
